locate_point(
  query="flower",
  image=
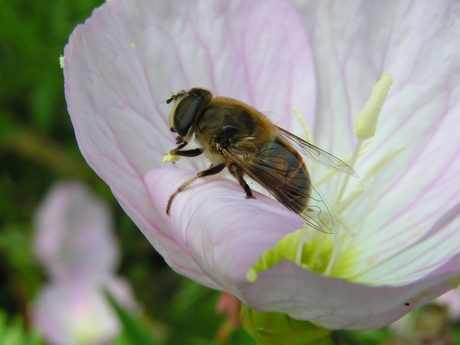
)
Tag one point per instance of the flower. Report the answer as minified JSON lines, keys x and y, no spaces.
{"x":75,"y":312}
{"x":75,"y":244}
{"x":451,"y":300}
{"x":320,"y":58}
{"x":74,"y":235}
{"x":229,"y":305}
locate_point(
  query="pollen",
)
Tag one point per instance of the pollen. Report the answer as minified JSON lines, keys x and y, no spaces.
{"x":169,"y":158}
{"x":61,"y":61}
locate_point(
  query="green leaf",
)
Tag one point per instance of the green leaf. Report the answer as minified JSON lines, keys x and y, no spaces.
{"x":12,"y":332}
{"x":133,"y":332}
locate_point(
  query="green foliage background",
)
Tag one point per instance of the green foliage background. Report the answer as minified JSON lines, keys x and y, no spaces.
{"x":37,"y":149}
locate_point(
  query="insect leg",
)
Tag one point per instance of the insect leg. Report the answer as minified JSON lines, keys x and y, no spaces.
{"x":180,"y":141}
{"x":215,"y":169}
{"x":186,"y":153}
{"x":237,"y":173}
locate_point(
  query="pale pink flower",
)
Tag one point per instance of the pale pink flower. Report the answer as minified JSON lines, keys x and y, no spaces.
{"x":74,"y":234}
{"x":76,"y":245}
{"x":75,"y":312}
{"x":231,"y":306}
{"x":451,"y":300}
{"x":320,"y":57}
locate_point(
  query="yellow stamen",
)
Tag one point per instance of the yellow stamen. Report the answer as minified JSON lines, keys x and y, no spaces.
{"x":347,"y":159}
{"x":343,"y":205}
{"x":354,"y":158}
{"x":366,"y":122}
{"x":334,"y":256}
{"x":304,"y":125}
{"x":380,"y":165}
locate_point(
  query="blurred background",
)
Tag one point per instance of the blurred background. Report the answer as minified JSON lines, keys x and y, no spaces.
{"x":37,"y":151}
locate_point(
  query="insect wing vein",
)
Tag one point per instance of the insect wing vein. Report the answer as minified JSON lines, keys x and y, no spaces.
{"x":315,"y":153}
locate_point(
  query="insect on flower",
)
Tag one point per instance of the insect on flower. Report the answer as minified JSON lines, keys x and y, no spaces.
{"x":236,"y":136}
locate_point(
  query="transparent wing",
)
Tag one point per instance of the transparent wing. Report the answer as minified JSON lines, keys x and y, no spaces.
{"x":274,"y":169}
{"x":315,"y":153}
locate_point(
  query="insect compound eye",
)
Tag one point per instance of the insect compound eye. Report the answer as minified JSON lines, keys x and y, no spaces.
{"x":198,"y":92}
{"x":187,"y":110}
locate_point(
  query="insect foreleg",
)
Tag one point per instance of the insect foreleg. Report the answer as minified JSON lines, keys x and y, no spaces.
{"x":237,"y":173}
{"x":186,"y":153}
{"x":208,"y":172}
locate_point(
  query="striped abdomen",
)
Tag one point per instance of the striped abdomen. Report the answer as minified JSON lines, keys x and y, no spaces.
{"x":280,"y":169}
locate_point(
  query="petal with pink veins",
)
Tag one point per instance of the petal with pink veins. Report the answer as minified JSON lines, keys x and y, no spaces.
{"x":130,"y":55}
{"x":323,"y":59}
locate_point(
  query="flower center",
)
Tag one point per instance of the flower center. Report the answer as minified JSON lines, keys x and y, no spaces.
{"x":333,"y":254}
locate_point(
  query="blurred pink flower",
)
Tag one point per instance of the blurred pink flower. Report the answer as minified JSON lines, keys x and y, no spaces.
{"x":318,"y":57}
{"x":229,"y":305}
{"x":75,"y":312}
{"x":451,"y":300}
{"x":74,"y":234}
{"x":76,"y":245}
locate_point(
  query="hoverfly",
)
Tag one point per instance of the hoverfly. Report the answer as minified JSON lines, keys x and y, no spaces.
{"x":236,"y":136}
